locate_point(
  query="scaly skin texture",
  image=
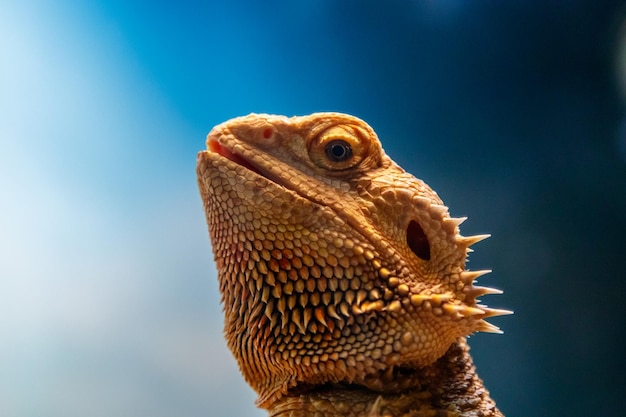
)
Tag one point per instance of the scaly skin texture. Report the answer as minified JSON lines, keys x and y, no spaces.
{"x":342,"y":276}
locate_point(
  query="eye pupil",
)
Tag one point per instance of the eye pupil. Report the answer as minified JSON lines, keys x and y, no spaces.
{"x":338,"y":150}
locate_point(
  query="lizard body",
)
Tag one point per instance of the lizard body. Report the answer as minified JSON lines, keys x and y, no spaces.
{"x":342,"y":276}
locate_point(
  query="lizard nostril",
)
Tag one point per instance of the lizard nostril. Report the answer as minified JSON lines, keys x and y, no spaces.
{"x":267,"y":132}
{"x":417,"y":240}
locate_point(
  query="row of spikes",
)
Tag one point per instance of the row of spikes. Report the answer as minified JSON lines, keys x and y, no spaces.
{"x":450,"y":225}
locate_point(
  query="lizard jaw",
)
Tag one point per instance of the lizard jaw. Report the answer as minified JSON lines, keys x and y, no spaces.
{"x":214,"y":146}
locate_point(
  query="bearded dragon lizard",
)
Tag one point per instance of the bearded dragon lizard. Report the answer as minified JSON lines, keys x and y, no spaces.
{"x":342,"y":276}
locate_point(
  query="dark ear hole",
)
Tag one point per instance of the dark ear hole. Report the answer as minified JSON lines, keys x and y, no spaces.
{"x":417,"y":240}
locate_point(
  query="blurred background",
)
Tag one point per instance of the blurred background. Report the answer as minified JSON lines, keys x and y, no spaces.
{"x":512,"y":111}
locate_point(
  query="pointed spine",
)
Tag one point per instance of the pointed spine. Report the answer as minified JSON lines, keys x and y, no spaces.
{"x":477,"y":291}
{"x":485,"y":327}
{"x":495,"y":312}
{"x":468,"y":241}
{"x":452,"y":223}
{"x":470,"y":276}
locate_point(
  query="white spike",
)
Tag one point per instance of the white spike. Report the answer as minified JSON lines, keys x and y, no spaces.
{"x":471,"y":240}
{"x":495,"y":312}
{"x":486,"y":327}
{"x":478,"y":291}
{"x":471,"y":311}
{"x":457,"y":221}
{"x":471,"y":276}
{"x":453,"y":222}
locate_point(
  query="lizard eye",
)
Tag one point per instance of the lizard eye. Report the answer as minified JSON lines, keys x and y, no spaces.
{"x":338,"y":148}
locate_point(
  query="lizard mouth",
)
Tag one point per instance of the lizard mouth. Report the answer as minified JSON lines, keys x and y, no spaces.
{"x":216,"y":147}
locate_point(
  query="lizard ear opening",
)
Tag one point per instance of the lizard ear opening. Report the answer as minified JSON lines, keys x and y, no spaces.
{"x":417,"y":240}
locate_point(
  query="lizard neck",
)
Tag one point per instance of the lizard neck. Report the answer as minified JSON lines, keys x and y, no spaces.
{"x":449,"y":387}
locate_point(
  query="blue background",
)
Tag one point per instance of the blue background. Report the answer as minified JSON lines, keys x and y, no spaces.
{"x":512,"y":111}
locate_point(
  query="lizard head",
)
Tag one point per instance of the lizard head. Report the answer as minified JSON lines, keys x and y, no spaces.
{"x":334,"y":264}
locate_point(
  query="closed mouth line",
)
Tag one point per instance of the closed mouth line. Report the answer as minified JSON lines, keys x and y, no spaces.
{"x":215,"y":146}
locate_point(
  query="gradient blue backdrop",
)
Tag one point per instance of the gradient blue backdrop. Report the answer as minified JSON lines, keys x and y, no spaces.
{"x":511,"y":110}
